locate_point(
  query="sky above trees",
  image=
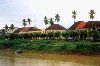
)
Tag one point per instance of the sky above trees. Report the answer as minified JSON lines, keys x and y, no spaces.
{"x":14,"y":11}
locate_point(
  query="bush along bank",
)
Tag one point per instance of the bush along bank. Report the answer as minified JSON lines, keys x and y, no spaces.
{"x":52,"y":46}
{"x":92,"y":35}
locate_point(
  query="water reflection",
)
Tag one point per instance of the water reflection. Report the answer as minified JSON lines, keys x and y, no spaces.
{"x":36,"y":59}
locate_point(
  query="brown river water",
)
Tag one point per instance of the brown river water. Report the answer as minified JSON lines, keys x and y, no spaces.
{"x":38,"y":59}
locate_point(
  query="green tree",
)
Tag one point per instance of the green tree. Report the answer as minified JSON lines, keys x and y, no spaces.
{"x":94,"y":35}
{"x":73,"y":34}
{"x":51,"y":21}
{"x":37,"y":35}
{"x":12,"y":27}
{"x":43,"y":35}
{"x":24,"y":23}
{"x":65,"y":34}
{"x":57,"y":34}
{"x":29,"y":21}
{"x":57,"y":17}
{"x":91,"y":15}
{"x":6,"y":28}
{"x":83,"y":34}
{"x":50,"y":35}
{"x":3,"y":32}
{"x":46,"y":20}
{"x":74,"y":16}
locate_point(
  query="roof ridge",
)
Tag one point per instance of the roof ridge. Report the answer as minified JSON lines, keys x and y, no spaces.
{"x":56,"y":27}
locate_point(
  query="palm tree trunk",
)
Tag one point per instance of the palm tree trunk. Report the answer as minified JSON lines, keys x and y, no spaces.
{"x":74,"y":24}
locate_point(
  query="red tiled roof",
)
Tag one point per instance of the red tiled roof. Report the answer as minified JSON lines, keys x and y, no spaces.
{"x":56,"y":27}
{"x":26,"y":29}
{"x":75,"y":25}
{"x":81,"y":25}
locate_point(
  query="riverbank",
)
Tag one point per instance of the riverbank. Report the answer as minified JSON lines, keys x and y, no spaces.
{"x":53,"y":46}
{"x":31,"y":58}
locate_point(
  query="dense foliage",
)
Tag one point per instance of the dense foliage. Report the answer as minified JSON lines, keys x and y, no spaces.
{"x":73,"y":35}
{"x":52,"y":46}
{"x":69,"y":41}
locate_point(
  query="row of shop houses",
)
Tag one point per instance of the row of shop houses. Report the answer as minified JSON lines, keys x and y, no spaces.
{"x":79,"y":25}
{"x":54,"y":27}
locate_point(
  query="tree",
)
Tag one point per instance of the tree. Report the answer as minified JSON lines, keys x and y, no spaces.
{"x":50,"y":35}
{"x":94,"y":35}
{"x":73,"y":34}
{"x":65,"y":35}
{"x":51,"y":21}
{"x":57,"y":18}
{"x":12,"y":27}
{"x":83,"y":34}
{"x":91,"y":15}
{"x":74,"y":16}
{"x":57,"y":34}
{"x":46,"y":20}
{"x":6,"y":28}
{"x":29,"y":21}
{"x":24,"y":23}
{"x":43,"y":35}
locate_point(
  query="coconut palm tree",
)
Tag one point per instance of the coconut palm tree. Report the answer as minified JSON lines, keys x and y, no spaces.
{"x":57,"y":17}
{"x":46,"y":20}
{"x":24,"y":23}
{"x":12,"y":27}
{"x":6,"y":28}
{"x":74,"y":16}
{"x":91,"y":15}
{"x":29,"y":20}
{"x":51,"y":21}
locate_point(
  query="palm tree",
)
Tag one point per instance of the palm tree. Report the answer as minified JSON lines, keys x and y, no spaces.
{"x":74,"y":16}
{"x":12,"y":27}
{"x":46,"y":20}
{"x":29,"y":20}
{"x":91,"y":15}
{"x":6,"y":28}
{"x":57,"y":18}
{"x":51,"y":21}
{"x":24,"y":23}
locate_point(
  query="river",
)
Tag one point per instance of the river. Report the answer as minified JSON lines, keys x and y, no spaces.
{"x":38,"y":59}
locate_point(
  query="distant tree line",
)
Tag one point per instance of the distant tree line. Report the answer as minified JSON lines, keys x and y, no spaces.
{"x":73,"y":35}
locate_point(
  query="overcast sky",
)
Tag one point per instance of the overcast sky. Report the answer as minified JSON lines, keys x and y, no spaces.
{"x":14,"y":11}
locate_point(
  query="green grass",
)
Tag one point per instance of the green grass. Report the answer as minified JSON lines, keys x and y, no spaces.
{"x":52,"y":45}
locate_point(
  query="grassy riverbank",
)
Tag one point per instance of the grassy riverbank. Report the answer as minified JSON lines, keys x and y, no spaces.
{"x":53,"y":46}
